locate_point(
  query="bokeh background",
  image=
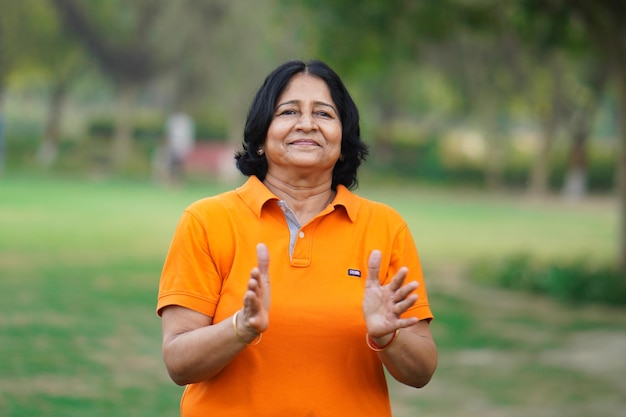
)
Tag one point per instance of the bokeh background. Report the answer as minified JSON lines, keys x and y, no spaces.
{"x":496,"y":128}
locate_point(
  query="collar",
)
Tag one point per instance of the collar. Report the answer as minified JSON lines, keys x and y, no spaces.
{"x":255,"y":195}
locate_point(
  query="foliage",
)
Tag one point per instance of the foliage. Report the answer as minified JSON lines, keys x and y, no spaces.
{"x":430,"y":160}
{"x":151,"y":128}
{"x":579,"y":281}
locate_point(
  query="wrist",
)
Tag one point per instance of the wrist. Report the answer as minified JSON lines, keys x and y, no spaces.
{"x":245,"y":337}
{"x":379,"y":344}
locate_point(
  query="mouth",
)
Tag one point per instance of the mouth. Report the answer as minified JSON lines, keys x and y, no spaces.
{"x":304,"y":142}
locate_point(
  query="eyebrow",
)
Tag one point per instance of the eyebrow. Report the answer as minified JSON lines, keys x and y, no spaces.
{"x":318,"y":103}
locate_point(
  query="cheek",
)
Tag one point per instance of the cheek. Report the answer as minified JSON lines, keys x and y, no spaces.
{"x":276,"y":130}
{"x":337,"y":136}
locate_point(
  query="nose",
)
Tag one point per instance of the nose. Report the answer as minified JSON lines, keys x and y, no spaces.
{"x":306,"y":122}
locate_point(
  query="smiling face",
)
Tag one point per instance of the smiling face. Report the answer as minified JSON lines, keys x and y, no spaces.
{"x":304,"y":135}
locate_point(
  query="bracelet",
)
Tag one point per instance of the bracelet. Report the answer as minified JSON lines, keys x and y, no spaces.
{"x":258,"y":338}
{"x":375,"y":347}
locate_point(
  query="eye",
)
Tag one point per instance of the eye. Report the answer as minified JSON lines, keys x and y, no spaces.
{"x":286,"y":112}
{"x":325,"y":114}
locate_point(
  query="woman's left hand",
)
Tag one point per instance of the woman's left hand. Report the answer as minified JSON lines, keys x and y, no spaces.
{"x":383,"y":304}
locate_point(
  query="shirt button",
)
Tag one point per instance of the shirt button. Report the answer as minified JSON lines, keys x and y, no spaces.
{"x":301,"y":234}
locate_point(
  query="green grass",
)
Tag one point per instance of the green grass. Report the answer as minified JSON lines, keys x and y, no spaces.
{"x":79,"y":269}
{"x":460,"y":226}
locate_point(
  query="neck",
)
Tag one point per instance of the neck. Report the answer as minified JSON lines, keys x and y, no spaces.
{"x":305,"y":200}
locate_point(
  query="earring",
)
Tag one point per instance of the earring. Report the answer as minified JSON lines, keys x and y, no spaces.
{"x":260,"y":152}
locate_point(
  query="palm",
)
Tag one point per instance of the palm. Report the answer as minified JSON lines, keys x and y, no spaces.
{"x":257,"y":298}
{"x":383,"y":304}
{"x":378,"y":310}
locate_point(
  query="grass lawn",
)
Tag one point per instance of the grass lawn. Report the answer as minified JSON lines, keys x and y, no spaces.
{"x":79,"y":269}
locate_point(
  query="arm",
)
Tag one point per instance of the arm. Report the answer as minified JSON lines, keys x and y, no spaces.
{"x":412,"y":357}
{"x":195,"y":349}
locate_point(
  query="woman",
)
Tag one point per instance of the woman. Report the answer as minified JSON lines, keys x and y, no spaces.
{"x":287,"y":296}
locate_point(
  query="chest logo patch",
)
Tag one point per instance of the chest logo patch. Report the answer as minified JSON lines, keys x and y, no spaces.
{"x":354,"y":273}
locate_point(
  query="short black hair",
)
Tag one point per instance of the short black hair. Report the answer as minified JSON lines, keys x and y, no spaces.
{"x":353,"y":149}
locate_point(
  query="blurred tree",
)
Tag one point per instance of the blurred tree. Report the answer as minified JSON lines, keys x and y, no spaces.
{"x":59,"y":60}
{"x":604,"y":24}
{"x":485,"y":66}
{"x":546,"y":97}
{"x":135,"y":42}
{"x":187,"y":57}
{"x":117,"y":35}
{"x":9,"y":57}
{"x":587,"y":99}
{"x":38,"y":50}
{"x":564,"y":80}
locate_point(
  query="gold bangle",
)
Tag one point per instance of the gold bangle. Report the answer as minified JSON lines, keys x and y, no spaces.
{"x":375,"y":347}
{"x":258,"y":338}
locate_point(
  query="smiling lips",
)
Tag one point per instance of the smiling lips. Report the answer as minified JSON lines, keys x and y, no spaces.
{"x":304,"y":142}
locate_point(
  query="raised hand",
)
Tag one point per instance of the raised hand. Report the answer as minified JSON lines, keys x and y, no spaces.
{"x":383,"y":305}
{"x":254,"y":317}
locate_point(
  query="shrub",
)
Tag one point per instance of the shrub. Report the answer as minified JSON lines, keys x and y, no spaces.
{"x":429,"y":159}
{"x":577,"y":281}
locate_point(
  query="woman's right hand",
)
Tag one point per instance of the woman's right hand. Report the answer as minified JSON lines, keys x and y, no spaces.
{"x":253,"y":319}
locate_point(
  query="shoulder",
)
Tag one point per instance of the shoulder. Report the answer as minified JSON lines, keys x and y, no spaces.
{"x":360,"y":208}
{"x":380,"y":210}
{"x":213,"y":205}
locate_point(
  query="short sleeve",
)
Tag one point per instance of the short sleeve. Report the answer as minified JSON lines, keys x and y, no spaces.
{"x":189,"y":277}
{"x":404,"y":253}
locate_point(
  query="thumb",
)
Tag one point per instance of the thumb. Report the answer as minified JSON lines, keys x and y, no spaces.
{"x":263,"y":260}
{"x":373,"y":267}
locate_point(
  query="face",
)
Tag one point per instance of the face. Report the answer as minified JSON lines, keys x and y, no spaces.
{"x":305,"y":132}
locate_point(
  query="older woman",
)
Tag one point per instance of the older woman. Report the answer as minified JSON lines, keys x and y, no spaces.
{"x":290,"y":294}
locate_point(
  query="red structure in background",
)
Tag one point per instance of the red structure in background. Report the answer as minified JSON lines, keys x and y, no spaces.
{"x":211,"y":158}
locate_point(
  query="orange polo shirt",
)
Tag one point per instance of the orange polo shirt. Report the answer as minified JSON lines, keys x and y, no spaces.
{"x":313,"y":359}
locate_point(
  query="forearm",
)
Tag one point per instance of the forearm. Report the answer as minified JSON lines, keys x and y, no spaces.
{"x":197,"y":354}
{"x":412,"y":358}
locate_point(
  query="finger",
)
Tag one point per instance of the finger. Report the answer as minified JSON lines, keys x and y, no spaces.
{"x":373,"y":267}
{"x":398,"y":278}
{"x":407,"y":322}
{"x":404,"y":291}
{"x":263,"y":258}
{"x":405,"y":304}
{"x":255,"y":276}
{"x":254,"y":285}
{"x":263,"y":261}
{"x":251,"y":303}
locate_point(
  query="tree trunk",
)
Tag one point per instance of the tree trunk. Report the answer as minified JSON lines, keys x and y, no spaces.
{"x":48,"y":150}
{"x":575,"y":184}
{"x":539,"y":176}
{"x":496,"y":147}
{"x":2,"y":134}
{"x":621,"y":82}
{"x":123,"y":133}
{"x":540,"y":171}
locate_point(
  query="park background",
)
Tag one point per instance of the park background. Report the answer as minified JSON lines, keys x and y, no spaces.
{"x":496,"y":129}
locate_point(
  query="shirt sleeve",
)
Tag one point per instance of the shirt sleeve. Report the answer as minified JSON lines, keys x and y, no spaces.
{"x":189,"y":277}
{"x":405,"y":254}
